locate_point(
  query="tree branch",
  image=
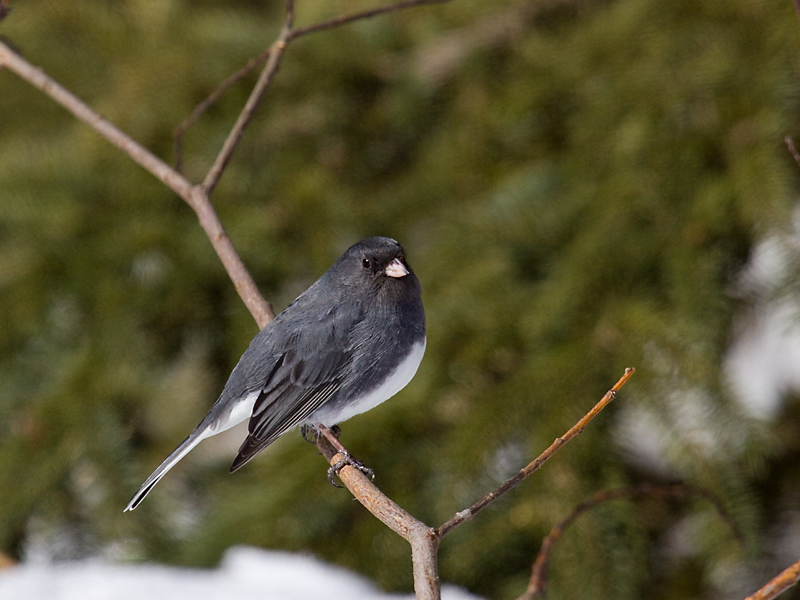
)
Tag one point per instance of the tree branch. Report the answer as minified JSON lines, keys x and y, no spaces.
{"x":188,"y":122}
{"x":366,"y":14}
{"x":796,"y":7}
{"x":788,"y":139}
{"x":422,"y":538}
{"x":276,"y":51}
{"x":38,"y":79}
{"x":534,"y":466}
{"x":4,"y":10}
{"x":779,"y":584}
{"x":246,"y":287}
{"x":194,"y":196}
{"x":425,"y":540}
{"x":538,"y":582}
{"x":287,"y":35}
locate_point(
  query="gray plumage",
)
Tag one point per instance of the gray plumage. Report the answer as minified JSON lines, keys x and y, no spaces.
{"x":350,"y":341}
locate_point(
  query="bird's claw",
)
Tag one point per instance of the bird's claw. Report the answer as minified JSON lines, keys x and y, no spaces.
{"x":309,"y":433}
{"x":353,"y":462}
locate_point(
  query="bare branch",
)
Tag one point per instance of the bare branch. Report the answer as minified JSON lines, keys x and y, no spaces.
{"x":223,"y":87}
{"x":194,"y":196}
{"x":276,"y":51}
{"x":422,"y":538}
{"x":345,"y":19}
{"x":258,"y":91}
{"x":534,"y":466}
{"x":4,"y":9}
{"x":788,"y":139}
{"x":38,"y":79}
{"x":779,"y":584}
{"x":538,"y":582}
{"x":246,"y":287}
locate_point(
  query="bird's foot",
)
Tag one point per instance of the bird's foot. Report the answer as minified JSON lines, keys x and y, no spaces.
{"x":311,"y":433}
{"x":353,"y":462}
{"x":332,"y":435}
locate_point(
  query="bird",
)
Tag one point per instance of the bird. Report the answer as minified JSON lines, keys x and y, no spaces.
{"x":348,"y":343}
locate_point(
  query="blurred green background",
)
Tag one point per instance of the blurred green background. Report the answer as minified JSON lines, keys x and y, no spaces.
{"x":578,"y":185}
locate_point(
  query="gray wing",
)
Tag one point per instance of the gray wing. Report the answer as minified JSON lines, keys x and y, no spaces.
{"x":310,"y":369}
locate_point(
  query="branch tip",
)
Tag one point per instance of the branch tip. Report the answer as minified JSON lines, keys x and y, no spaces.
{"x":537,"y":463}
{"x":779,"y":584}
{"x":790,"y":144}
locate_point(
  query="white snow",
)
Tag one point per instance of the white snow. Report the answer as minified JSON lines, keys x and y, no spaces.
{"x":245,"y":572}
{"x":761,"y":366}
{"x":763,"y":363}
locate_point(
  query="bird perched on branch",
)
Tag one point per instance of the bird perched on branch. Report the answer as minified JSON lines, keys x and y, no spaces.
{"x":349,"y":342}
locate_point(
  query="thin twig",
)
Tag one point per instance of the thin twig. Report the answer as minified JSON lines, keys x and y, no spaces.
{"x":40,"y":80}
{"x":779,"y":584}
{"x":788,"y":139}
{"x":292,"y":34}
{"x":188,"y":122}
{"x":366,"y":14}
{"x":797,"y":7}
{"x":4,"y":9}
{"x":538,"y":582}
{"x":260,"y":309}
{"x":534,"y":466}
{"x":276,"y":51}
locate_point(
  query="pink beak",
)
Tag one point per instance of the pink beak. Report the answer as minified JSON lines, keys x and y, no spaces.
{"x":396,"y":268}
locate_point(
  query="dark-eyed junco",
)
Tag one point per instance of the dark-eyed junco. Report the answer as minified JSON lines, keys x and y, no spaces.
{"x":350,"y":341}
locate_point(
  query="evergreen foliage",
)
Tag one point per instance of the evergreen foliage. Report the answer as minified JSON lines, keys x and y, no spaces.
{"x":577,"y":184}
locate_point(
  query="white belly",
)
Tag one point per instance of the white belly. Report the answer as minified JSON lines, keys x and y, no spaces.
{"x":329,"y":416}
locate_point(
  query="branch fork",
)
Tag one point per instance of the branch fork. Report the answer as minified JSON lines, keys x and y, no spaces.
{"x":423,"y":539}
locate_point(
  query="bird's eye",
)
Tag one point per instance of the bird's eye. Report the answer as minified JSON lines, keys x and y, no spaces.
{"x":366,"y":263}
